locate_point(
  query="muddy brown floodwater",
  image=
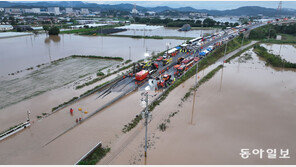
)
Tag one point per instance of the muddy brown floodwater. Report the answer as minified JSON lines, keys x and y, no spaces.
{"x":247,"y":105}
{"x":19,"y":53}
{"x":287,"y":52}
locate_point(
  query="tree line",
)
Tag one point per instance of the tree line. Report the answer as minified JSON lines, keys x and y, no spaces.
{"x":270,"y":31}
{"x":208,"y":22}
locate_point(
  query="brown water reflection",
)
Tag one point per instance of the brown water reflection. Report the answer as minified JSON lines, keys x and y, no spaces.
{"x":53,"y":38}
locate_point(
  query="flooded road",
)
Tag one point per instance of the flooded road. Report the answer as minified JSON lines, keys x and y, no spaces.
{"x":20,"y":53}
{"x":247,"y":105}
{"x":168,"y":32}
{"x":287,"y":52}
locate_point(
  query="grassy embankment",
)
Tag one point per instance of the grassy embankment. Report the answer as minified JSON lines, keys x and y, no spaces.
{"x":95,"y":156}
{"x":204,"y":63}
{"x":202,"y":81}
{"x":88,"y":30}
{"x":286,"y":39}
{"x":1,"y":133}
{"x":271,"y":59}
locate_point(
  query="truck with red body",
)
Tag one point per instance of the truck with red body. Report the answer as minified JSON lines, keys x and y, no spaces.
{"x":142,"y":75}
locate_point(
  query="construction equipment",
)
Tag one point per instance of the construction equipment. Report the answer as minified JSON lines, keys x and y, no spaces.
{"x":164,"y":81}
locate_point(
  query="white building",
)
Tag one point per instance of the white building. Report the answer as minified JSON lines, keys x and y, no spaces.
{"x":194,"y":14}
{"x":54,"y":10}
{"x":5,"y":27}
{"x":69,"y":10}
{"x":134,"y":10}
{"x":13,"y":10}
{"x":84,"y":11}
{"x":36,"y":10}
{"x":27,"y":11}
{"x":151,"y":13}
{"x":1,"y":9}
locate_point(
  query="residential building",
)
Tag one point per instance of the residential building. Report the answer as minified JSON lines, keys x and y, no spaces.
{"x":151,"y":13}
{"x":6,"y":27}
{"x":84,"y":11}
{"x":13,"y":10}
{"x":69,"y":10}
{"x":27,"y":11}
{"x":36,"y":10}
{"x":1,"y":9}
{"x":54,"y":10}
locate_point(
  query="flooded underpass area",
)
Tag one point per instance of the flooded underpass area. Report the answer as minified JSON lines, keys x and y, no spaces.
{"x":247,"y":105}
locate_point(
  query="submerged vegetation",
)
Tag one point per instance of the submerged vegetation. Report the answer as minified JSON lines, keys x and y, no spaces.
{"x":133,"y":124}
{"x":274,"y":60}
{"x":239,"y":53}
{"x":202,"y":81}
{"x":95,"y":156}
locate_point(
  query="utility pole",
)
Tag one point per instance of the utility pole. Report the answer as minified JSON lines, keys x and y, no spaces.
{"x":129,"y":52}
{"x":225,"y":53}
{"x":193,"y":102}
{"x":167,"y":45}
{"x":28,"y":115}
{"x":242,"y":41}
{"x":146,"y":116}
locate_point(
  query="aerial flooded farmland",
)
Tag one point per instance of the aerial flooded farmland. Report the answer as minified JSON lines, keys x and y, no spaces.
{"x":147,"y":83}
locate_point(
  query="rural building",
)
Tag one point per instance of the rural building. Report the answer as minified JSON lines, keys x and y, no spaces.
{"x":5,"y":27}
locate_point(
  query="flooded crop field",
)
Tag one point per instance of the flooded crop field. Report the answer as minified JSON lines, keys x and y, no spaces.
{"x":50,"y":76}
{"x":19,"y":53}
{"x":287,"y":52}
{"x":246,"y":96}
{"x":167,"y":32}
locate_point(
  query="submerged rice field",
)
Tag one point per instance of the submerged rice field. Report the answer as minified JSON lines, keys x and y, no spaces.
{"x":16,"y":88}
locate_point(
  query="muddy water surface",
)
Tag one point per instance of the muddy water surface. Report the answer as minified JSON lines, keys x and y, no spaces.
{"x":247,"y":105}
{"x":287,"y":52}
{"x":19,"y":53}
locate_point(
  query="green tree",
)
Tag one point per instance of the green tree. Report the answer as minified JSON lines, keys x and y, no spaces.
{"x":46,"y":28}
{"x":54,"y":31}
{"x":226,"y":24}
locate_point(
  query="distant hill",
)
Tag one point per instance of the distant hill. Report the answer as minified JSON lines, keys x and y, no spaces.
{"x":242,"y":11}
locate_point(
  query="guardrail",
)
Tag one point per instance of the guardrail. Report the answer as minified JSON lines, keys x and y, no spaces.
{"x":88,"y":153}
{"x":14,"y":130}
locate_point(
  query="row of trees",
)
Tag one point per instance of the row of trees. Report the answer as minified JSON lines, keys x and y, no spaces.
{"x":179,"y":23}
{"x":270,"y":31}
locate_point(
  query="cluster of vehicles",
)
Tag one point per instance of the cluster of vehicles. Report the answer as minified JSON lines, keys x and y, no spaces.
{"x":193,"y":50}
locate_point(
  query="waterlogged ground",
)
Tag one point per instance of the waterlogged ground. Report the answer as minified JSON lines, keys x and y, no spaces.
{"x":247,"y":105}
{"x":16,"y":88}
{"x":287,"y":52}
